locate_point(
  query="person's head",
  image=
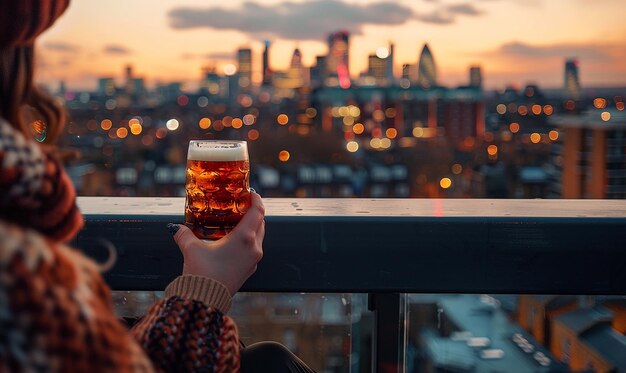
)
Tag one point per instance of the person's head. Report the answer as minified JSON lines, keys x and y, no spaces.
{"x":21,"y":21}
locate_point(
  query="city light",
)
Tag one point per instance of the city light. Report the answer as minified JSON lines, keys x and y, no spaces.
{"x":358,"y":128}
{"x":548,"y":109}
{"x":514,"y":127}
{"x":501,"y":109}
{"x":553,"y":135}
{"x":172,"y":124}
{"x":536,"y":109}
{"x":136,"y":128}
{"x":237,"y":123}
{"x":535,"y":138}
{"x":253,"y":134}
{"x":385,"y":143}
{"x":311,"y":112}
{"x":352,"y":146}
{"x":599,"y":103}
{"x":391,"y":133}
{"x":106,"y":124}
{"x":202,"y":101}
{"x":230,"y":69}
{"x":606,"y":116}
{"x":445,"y":183}
{"x":382,"y":52}
{"x":456,"y":169}
{"x":283,"y":156}
{"x":121,"y":132}
{"x":282,"y":119}
{"x":249,"y":119}
{"x":492,"y":150}
{"x":619,"y":105}
{"x":204,"y":123}
{"x":354,"y":111}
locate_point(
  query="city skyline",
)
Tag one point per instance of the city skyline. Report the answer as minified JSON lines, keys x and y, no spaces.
{"x":166,"y":42}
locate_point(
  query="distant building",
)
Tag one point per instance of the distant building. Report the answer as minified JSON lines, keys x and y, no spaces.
{"x":589,"y":159}
{"x":267,"y":71}
{"x":318,"y":72}
{"x":244,"y":68}
{"x":377,"y":69}
{"x":106,"y":87}
{"x":427,"y":72}
{"x":571,"y":88}
{"x":475,"y":77}
{"x":536,"y":313}
{"x":585,"y":340}
{"x":338,"y":60}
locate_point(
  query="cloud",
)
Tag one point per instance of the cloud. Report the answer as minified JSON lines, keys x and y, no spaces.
{"x":59,"y":46}
{"x":594,"y":52}
{"x":211,"y":56}
{"x":116,"y":49}
{"x":465,"y":9}
{"x":311,"y":20}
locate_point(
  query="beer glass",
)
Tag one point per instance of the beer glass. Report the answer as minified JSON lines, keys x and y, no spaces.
{"x":217,"y":186}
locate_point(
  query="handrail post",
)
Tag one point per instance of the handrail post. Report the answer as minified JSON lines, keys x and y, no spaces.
{"x":390,"y":332}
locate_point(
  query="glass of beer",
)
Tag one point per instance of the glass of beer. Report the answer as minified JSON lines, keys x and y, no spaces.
{"x":217,"y":186}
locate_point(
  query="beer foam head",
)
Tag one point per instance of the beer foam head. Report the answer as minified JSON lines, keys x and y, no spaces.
{"x":217,"y":150}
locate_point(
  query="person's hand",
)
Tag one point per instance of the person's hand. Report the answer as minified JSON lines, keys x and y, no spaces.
{"x":233,"y":258}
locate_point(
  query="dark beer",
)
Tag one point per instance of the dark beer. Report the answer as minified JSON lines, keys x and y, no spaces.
{"x":217,"y":187}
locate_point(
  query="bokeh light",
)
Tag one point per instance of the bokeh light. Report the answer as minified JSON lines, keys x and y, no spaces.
{"x":172,"y":124}
{"x":352,"y":146}
{"x":283,"y":156}
{"x":535,"y":138}
{"x":445,"y":183}
{"x":282,"y":119}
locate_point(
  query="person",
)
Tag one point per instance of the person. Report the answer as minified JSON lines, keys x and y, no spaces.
{"x":56,"y":312}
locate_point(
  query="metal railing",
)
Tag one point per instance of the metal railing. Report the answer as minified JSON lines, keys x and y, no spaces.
{"x":386,"y":248}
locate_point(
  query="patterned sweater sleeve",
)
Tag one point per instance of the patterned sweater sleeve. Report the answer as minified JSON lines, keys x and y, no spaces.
{"x":188,"y":331}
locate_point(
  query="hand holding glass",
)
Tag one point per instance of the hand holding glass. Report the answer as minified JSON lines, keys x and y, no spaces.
{"x":217,"y":186}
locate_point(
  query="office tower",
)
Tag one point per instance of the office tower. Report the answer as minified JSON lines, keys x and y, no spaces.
{"x":377,"y":69}
{"x":475,"y":77}
{"x":318,"y":72}
{"x":106,"y":87}
{"x":295,"y":74}
{"x":267,"y":71}
{"x":389,"y":65}
{"x":427,"y":73}
{"x":338,"y":61}
{"x":244,"y":63}
{"x":406,"y":71}
{"x":129,"y":79}
{"x":571,"y":84}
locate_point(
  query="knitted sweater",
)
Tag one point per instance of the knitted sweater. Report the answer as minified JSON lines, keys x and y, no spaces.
{"x":56,"y":312}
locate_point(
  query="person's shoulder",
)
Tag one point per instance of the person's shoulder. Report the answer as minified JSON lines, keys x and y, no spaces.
{"x":38,"y":253}
{"x":19,"y":243}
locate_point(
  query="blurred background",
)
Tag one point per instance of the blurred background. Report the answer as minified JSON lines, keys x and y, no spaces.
{"x":382,"y":99}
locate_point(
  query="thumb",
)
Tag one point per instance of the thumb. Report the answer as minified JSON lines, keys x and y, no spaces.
{"x":184,"y":238}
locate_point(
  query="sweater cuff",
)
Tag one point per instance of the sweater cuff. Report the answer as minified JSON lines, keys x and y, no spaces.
{"x":203,"y":289}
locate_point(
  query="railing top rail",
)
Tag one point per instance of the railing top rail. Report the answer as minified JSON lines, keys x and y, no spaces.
{"x":387,"y":245}
{"x":391,"y":207}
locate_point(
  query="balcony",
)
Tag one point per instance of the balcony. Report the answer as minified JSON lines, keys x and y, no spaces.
{"x":385,"y":249}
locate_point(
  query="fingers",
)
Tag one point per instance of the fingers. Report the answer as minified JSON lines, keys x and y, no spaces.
{"x":253,"y":217}
{"x":184,"y":238}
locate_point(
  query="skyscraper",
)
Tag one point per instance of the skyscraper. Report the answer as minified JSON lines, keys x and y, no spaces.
{"x":244,"y":64}
{"x":338,"y":61}
{"x":475,"y":77}
{"x":427,"y":73}
{"x":390,"y":77}
{"x":377,"y":68}
{"x":571,"y":86}
{"x":267,"y":71}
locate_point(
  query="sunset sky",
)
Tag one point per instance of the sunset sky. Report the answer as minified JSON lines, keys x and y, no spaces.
{"x":514,"y":41}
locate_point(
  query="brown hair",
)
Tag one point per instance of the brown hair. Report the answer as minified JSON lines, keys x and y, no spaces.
{"x":18,"y":92}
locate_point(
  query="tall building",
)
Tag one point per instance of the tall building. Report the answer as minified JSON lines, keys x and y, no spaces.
{"x":589,"y":159}
{"x":267,"y":71}
{"x":427,"y":73}
{"x":571,"y":86}
{"x":377,"y":68}
{"x":389,"y":73}
{"x":318,"y":72}
{"x":296,"y":71}
{"x":338,"y":60}
{"x":106,"y":87}
{"x":475,"y":77}
{"x":244,"y":64}
{"x":129,"y":79}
